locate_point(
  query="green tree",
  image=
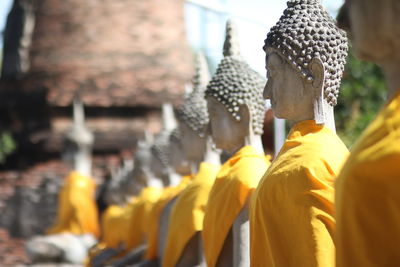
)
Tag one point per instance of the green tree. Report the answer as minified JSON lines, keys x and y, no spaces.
{"x":363,"y":92}
{"x":7,"y":146}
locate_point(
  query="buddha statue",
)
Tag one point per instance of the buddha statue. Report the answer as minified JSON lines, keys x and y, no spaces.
{"x":115,"y":193}
{"x":123,"y":234}
{"x":236,"y":110}
{"x":292,"y":216}
{"x":182,"y":167}
{"x":120,"y":196}
{"x":142,"y":174}
{"x":160,"y":165}
{"x":367,"y":202}
{"x":183,"y":245}
{"x":76,"y":227}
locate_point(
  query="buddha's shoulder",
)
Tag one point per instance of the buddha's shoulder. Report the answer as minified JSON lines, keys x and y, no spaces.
{"x":324,"y":142}
{"x":312,"y":152}
{"x":380,"y":141}
{"x":254,"y":163}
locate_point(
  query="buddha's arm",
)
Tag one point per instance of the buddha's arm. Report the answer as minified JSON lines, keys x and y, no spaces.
{"x":225,"y":258}
{"x":163,"y":230}
{"x":132,"y":257}
{"x":193,"y":254}
{"x":241,"y":238}
{"x":106,"y":254}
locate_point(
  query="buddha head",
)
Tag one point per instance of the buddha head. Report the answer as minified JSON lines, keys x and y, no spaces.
{"x":160,"y":160}
{"x":193,"y":115}
{"x":177,"y":156}
{"x":373,"y":27}
{"x":160,"y":164}
{"x":78,"y":142}
{"x":127,"y":186}
{"x":305,"y":59}
{"x":142,"y":173}
{"x":234,"y":97}
{"x":114,"y":194}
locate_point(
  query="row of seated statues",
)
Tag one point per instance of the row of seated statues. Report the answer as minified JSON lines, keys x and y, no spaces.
{"x":313,"y":204}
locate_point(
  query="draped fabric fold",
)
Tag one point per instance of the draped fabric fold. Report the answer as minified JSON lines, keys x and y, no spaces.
{"x":292,"y":212}
{"x":187,"y":213}
{"x":236,"y":180}
{"x":139,"y":216}
{"x":125,"y":227}
{"x":167,"y":195}
{"x":77,"y":211}
{"x":367,"y":195}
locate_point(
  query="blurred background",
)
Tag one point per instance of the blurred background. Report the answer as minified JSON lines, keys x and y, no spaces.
{"x":124,"y":58}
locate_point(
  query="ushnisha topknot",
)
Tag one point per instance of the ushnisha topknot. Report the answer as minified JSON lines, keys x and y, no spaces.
{"x":194,"y":112}
{"x":175,"y":136}
{"x":160,"y":148}
{"x":79,"y":134}
{"x":235,"y":83}
{"x":306,"y":31}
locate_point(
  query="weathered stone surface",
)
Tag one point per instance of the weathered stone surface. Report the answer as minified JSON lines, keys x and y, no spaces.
{"x":116,"y":52}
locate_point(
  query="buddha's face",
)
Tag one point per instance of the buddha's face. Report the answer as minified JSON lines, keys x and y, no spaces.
{"x":193,"y":145}
{"x":178,"y":159}
{"x":227,"y":133}
{"x":158,"y":167}
{"x":372,"y":26}
{"x":114,"y":195}
{"x":69,"y":153}
{"x":142,"y":171}
{"x":131,"y":187}
{"x":290,"y":96}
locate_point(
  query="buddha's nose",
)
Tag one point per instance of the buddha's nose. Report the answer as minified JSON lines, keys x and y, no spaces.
{"x":267,"y":94}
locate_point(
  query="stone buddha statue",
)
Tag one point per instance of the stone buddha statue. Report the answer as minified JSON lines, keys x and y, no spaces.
{"x":142,"y":174}
{"x":182,"y":167}
{"x":292,"y":216}
{"x":114,"y":193}
{"x":160,"y":165}
{"x":120,"y":196}
{"x":79,"y":142}
{"x":76,"y":227}
{"x":160,"y":161}
{"x":367,"y":204}
{"x":236,"y":110}
{"x":183,"y":245}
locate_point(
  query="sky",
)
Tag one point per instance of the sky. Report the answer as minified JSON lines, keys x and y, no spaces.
{"x":253,"y":18}
{"x":4,"y":8}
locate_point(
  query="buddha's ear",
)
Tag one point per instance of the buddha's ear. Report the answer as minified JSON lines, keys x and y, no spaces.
{"x":318,"y":73}
{"x":246,"y":118}
{"x":208,"y":130}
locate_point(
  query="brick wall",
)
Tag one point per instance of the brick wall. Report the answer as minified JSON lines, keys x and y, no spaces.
{"x":116,"y":52}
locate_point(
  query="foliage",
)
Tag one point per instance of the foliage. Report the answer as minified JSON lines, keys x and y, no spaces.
{"x":7,"y":145}
{"x":363,"y":92}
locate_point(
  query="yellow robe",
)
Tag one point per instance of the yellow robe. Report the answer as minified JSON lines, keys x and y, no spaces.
{"x":77,"y":211}
{"x":167,"y":195}
{"x":235,"y":182}
{"x":126,"y":226}
{"x":112,"y":226}
{"x":115,"y":223}
{"x":187,"y":215}
{"x":292,"y":212}
{"x":368,"y":197}
{"x":138,"y":217}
